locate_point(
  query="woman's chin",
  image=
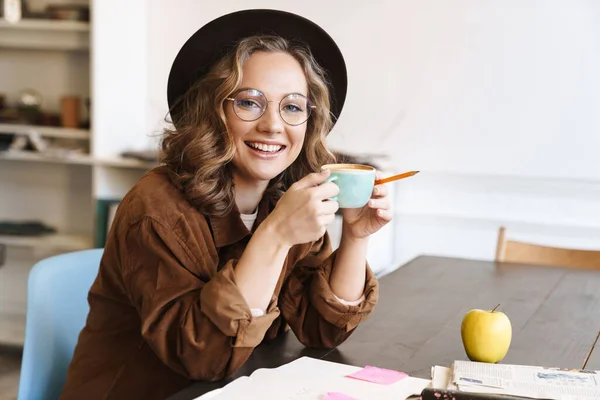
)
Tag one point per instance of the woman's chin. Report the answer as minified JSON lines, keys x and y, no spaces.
{"x":260,"y":171}
{"x":265,"y":176}
{"x":260,"y":175}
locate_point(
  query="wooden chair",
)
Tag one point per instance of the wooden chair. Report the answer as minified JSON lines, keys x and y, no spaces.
{"x":527,"y":253}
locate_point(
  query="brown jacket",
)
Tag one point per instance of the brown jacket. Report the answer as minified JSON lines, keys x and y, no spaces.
{"x":165,"y":309}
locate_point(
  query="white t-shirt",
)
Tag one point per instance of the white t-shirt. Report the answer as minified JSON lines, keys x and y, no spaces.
{"x":248,"y":220}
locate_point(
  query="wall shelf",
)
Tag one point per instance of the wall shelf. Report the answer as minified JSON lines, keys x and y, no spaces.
{"x":83,"y":159}
{"x":76,"y":159}
{"x":46,"y":25}
{"x":62,"y":242}
{"x":48,"y":131}
{"x":45,"y":34}
{"x":119,"y":162}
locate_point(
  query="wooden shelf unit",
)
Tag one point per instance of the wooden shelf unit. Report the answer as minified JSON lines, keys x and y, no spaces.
{"x":30,"y":34}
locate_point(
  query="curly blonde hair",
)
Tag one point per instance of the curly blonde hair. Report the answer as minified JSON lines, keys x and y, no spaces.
{"x":198,"y":152}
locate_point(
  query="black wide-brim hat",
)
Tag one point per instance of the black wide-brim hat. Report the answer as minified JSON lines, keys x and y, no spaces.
{"x":212,"y":41}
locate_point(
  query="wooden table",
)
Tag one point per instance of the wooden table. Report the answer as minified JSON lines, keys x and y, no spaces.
{"x":555,"y":314}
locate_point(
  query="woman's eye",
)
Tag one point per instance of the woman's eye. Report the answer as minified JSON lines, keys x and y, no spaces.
{"x":248,"y":104}
{"x":292,"y":108}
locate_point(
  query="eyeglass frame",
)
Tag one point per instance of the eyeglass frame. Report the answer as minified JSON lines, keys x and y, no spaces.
{"x":267,"y":105}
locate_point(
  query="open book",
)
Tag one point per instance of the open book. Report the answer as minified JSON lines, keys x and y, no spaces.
{"x":518,"y":380}
{"x":311,"y":379}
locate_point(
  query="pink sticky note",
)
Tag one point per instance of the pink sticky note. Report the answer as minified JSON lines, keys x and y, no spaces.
{"x":378,"y":375}
{"x":337,"y":396}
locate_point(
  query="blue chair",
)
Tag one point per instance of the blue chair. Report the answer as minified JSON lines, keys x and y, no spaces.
{"x":57,"y":308}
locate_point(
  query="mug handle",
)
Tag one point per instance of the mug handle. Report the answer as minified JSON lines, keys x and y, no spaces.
{"x":331,"y":179}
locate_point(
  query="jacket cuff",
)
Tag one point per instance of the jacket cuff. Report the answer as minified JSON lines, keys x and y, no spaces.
{"x":224,"y":305}
{"x":343,"y":316}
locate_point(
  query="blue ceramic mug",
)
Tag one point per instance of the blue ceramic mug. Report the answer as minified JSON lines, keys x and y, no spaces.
{"x":355,"y":182}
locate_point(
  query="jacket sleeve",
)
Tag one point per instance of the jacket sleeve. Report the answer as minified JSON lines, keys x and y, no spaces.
{"x":198,"y":325}
{"x":309,"y":305}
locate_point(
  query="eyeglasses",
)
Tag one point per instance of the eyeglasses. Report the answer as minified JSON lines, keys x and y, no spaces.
{"x":250,"y":104}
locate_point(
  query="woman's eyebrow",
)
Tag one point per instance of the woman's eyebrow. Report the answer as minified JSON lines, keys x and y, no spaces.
{"x":282,"y":96}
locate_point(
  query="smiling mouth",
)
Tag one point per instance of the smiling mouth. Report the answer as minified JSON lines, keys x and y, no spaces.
{"x":266,"y":148}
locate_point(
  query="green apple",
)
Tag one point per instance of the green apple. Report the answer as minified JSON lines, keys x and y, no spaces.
{"x":486,"y":335}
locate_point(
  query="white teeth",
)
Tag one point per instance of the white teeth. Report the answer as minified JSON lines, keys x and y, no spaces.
{"x":269,"y":148}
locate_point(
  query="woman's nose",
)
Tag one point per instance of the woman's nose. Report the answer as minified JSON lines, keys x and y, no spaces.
{"x":271,"y":120}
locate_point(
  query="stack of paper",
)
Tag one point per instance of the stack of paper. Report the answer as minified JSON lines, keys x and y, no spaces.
{"x":518,"y":380}
{"x":311,"y":379}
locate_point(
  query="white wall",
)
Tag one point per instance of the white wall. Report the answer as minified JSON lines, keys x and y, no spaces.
{"x":497,"y":102}
{"x":505,"y":87}
{"x":459,"y":214}
{"x":119,"y":70}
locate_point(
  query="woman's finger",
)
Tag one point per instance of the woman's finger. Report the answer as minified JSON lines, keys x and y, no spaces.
{"x":380,"y":203}
{"x":329,"y":207}
{"x":380,"y":191}
{"x":385,"y":215}
{"x":325,"y":220}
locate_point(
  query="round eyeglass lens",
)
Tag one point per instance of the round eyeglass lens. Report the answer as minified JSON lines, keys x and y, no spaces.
{"x":250,"y":105}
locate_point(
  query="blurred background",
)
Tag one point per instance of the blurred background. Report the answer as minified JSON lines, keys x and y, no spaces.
{"x":496,"y":102}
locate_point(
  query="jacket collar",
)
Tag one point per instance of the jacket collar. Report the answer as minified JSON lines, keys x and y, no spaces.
{"x":230,"y":228}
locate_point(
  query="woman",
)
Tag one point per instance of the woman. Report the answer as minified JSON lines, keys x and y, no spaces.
{"x":225,"y":244}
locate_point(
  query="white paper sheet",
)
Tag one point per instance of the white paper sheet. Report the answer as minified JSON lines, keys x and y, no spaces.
{"x":310,"y":379}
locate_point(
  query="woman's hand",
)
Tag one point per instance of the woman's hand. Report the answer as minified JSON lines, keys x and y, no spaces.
{"x":362,"y":222}
{"x":303,"y":214}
